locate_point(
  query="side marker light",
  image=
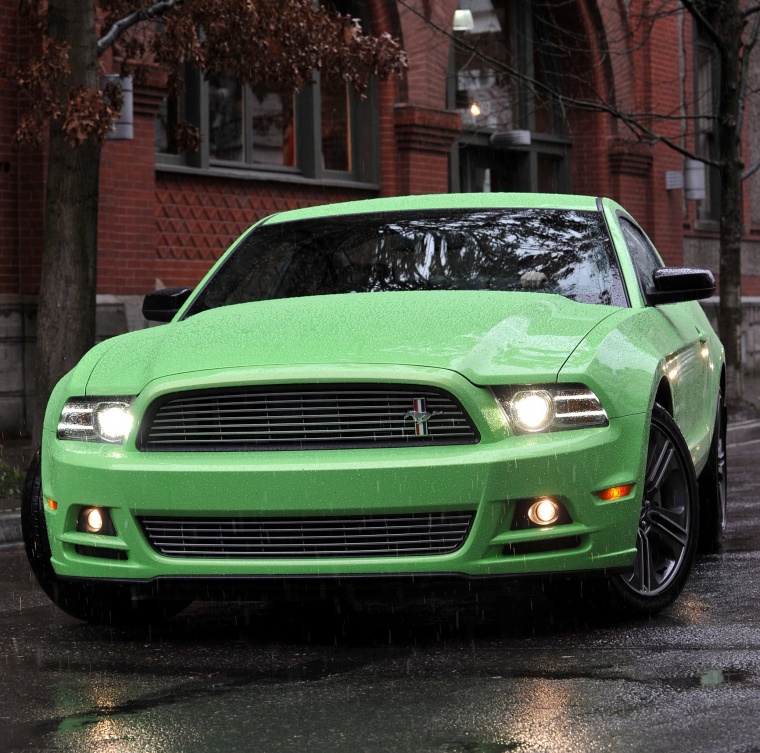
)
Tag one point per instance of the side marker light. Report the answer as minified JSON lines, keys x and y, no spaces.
{"x":615,"y":492}
{"x":52,"y":504}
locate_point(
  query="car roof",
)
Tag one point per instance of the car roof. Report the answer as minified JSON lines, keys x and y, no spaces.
{"x":442,"y":201}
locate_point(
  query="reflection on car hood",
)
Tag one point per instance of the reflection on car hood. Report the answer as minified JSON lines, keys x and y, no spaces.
{"x":488,"y":337}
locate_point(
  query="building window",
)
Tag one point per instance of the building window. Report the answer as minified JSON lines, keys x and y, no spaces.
{"x":513,"y":139}
{"x":248,"y":126}
{"x":325,"y":132}
{"x":706,"y":81}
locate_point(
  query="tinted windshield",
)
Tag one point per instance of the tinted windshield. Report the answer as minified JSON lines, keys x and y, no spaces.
{"x":548,"y":251}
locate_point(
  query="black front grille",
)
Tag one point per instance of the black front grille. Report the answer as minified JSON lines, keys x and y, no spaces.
{"x":294,"y":417}
{"x":346,"y":536}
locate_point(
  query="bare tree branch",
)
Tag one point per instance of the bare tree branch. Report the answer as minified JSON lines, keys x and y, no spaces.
{"x":143,"y":14}
{"x":751,"y":170}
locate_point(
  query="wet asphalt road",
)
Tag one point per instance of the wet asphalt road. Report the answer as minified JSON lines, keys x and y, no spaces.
{"x":442,"y":677}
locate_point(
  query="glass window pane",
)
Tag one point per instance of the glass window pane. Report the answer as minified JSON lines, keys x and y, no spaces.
{"x":273,"y":128}
{"x":465,"y":250}
{"x":643,"y":256}
{"x":225,"y":118}
{"x":548,"y":173}
{"x":484,"y":95}
{"x":336,"y":126}
{"x":166,"y":126}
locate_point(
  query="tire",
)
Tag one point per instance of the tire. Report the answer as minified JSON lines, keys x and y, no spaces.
{"x":100,"y":605}
{"x":713,"y":486}
{"x":666,"y":538}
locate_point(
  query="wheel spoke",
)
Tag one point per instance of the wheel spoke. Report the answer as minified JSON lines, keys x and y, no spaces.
{"x":664,"y":539}
{"x":669,"y":526}
{"x":659,"y":468}
{"x":646,"y":564}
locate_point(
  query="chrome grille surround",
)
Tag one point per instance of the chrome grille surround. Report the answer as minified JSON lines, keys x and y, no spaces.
{"x":300,"y":417}
{"x":398,"y":535}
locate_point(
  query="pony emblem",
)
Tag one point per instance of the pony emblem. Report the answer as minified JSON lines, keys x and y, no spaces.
{"x":420,"y":416}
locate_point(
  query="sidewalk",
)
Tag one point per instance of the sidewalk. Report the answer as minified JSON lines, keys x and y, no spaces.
{"x":18,"y":453}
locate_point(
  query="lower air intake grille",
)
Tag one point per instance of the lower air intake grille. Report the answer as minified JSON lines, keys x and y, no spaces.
{"x":354,"y":536}
{"x":300,"y":417}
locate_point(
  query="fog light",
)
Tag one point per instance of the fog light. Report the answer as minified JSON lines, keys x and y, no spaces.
{"x":544,"y":512}
{"x":95,"y":520}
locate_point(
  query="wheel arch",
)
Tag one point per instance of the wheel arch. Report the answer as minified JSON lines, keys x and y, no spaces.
{"x":663,"y":395}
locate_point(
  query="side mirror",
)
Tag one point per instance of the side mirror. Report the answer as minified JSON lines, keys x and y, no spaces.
{"x":678,"y":284}
{"x":162,"y":305}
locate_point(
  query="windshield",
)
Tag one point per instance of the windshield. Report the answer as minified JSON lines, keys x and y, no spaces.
{"x":543,"y":250}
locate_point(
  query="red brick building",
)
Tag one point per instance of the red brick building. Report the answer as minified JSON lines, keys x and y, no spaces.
{"x":455,"y":122}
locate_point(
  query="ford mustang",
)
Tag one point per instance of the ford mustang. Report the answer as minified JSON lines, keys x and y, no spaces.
{"x":417,"y":391}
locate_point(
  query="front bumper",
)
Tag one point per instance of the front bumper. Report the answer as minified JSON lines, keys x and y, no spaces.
{"x":488,"y":479}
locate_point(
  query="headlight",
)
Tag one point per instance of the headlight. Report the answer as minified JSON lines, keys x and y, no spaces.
{"x":551,"y":407}
{"x":96,"y":419}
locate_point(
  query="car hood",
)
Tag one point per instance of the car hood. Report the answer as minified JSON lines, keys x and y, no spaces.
{"x":488,"y":337}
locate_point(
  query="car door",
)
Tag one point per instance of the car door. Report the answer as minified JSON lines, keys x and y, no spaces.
{"x":686,"y":368}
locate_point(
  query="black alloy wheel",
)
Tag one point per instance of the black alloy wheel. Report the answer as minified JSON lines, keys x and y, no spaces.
{"x":666,"y":538}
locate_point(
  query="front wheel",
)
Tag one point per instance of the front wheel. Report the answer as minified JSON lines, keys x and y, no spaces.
{"x":101,"y":605}
{"x":666,"y":538}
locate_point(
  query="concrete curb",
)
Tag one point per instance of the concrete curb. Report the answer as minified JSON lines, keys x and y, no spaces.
{"x":10,"y":521}
{"x":10,"y":528}
{"x":743,"y":431}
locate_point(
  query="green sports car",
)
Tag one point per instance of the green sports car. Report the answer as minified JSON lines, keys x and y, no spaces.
{"x":418,"y":392}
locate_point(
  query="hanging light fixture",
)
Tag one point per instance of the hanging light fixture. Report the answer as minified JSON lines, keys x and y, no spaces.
{"x":463,"y":20}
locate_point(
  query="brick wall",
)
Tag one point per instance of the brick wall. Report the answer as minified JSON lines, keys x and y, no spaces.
{"x":198,"y":217}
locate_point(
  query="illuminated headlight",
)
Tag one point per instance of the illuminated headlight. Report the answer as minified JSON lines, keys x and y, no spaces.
{"x":96,"y":419}
{"x":532,"y":410}
{"x":551,"y":408}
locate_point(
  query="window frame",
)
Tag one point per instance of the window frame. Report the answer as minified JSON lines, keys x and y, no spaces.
{"x":628,"y":225}
{"x":706,"y":126}
{"x":475,"y":143}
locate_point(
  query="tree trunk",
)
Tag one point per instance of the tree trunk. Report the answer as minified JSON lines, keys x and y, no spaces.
{"x":66,"y":308}
{"x":731,"y":220}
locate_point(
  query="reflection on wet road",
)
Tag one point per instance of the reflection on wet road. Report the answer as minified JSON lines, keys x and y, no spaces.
{"x":530,"y":673}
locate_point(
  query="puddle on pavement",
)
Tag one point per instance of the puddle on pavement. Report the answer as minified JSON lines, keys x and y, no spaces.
{"x":711,"y":678}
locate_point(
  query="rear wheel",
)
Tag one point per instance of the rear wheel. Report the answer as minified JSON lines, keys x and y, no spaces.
{"x":713,"y":486}
{"x":666,"y":539}
{"x":102,"y":605}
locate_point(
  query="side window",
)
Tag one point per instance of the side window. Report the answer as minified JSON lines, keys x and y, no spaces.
{"x":644,"y":257}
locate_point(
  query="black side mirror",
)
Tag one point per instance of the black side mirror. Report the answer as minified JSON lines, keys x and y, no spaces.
{"x":162,"y":305}
{"x":678,"y":284}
